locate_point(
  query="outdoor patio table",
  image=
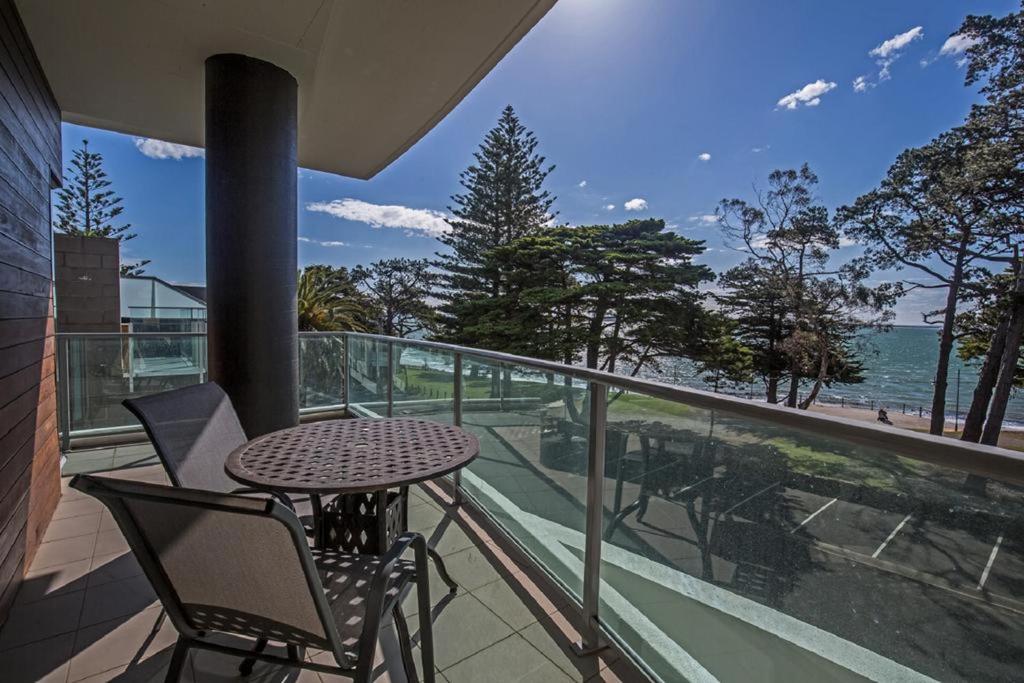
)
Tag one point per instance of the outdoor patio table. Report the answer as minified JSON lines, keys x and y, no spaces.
{"x":360,"y":460}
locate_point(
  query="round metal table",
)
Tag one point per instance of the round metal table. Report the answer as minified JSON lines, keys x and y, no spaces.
{"x":361,"y":460}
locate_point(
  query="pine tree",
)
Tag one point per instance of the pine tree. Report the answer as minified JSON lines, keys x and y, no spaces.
{"x":87,"y":208}
{"x":503,"y":199}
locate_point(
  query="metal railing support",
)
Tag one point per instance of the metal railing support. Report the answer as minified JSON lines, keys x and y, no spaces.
{"x":345,"y":341}
{"x":391,"y":379}
{"x":64,"y":390}
{"x":457,"y":420}
{"x":590,"y":632}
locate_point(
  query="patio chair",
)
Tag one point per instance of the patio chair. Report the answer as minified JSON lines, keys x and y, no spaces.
{"x":241,"y":566}
{"x":193,"y":430}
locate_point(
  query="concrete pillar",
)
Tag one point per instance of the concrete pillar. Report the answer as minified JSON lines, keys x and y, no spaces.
{"x":251,"y":260}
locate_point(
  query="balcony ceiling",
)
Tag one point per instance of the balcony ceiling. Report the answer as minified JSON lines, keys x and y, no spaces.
{"x":374,"y":76}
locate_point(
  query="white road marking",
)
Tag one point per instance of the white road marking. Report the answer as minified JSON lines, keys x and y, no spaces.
{"x":991,"y":559}
{"x":813,"y":515}
{"x":891,"y":536}
{"x":750,"y":498}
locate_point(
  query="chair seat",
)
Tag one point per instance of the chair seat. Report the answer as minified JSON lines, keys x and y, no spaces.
{"x":347,"y":579}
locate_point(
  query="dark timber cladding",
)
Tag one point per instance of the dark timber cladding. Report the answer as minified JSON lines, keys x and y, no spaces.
{"x":251,"y":239}
{"x":29,"y":165}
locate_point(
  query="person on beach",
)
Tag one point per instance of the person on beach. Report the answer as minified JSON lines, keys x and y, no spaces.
{"x":883,"y":416}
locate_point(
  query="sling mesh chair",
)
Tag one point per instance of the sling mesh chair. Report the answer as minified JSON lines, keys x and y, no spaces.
{"x":193,"y":430}
{"x":241,"y":566}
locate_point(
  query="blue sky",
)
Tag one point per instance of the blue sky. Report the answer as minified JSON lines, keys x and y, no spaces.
{"x":625,"y":96}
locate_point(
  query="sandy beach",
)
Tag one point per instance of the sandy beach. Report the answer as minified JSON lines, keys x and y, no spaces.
{"x":1008,"y":439}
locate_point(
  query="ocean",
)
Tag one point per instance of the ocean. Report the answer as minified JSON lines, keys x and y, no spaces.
{"x":899,"y":367}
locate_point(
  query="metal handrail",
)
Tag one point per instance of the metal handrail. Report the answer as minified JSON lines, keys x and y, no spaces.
{"x":986,"y":461}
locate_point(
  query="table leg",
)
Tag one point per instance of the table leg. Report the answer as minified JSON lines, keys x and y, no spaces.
{"x":442,"y":570}
{"x":319,"y":539}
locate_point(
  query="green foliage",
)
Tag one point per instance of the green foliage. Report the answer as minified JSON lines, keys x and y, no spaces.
{"x":399,"y":290}
{"x":797,"y":315}
{"x":328,"y":300}
{"x":502,"y":200}
{"x":86,"y":207}
{"x":618,"y":295}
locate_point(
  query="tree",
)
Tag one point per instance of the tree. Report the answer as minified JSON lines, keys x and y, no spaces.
{"x":934,"y":215}
{"x":796,"y":312}
{"x":87,"y":208}
{"x":994,"y":329}
{"x":399,"y":290}
{"x":619,"y":296}
{"x":328,"y":300}
{"x":503,"y":199}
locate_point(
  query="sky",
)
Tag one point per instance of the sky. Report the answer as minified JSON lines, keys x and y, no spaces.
{"x":651,"y":108}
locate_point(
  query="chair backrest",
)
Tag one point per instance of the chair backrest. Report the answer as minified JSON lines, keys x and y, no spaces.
{"x":193,"y":430}
{"x":224,"y":563}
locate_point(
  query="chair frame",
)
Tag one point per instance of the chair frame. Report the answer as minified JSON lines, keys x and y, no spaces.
{"x":377,"y":600}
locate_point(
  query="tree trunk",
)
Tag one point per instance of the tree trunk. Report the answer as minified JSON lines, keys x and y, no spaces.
{"x":1007,"y":367}
{"x":818,"y":382}
{"x":794,"y":387}
{"x":938,"y":419}
{"x":975,"y":419}
{"x":772,"y":393}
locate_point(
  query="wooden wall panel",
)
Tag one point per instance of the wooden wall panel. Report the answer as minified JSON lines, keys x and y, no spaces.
{"x":29,"y":163}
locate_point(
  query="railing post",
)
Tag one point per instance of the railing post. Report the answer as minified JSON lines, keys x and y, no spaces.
{"x":64,"y":390}
{"x":590,"y":631}
{"x":391,"y":378}
{"x":345,"y":341}
{"x":457,"y":420}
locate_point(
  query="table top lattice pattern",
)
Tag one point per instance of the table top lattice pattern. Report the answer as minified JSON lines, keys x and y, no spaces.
{"x":352,"y":456}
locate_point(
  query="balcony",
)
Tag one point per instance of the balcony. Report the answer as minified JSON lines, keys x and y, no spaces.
{"x":696,"y":536}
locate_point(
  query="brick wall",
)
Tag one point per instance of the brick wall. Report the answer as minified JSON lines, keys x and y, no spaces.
{"x":87,"y":283}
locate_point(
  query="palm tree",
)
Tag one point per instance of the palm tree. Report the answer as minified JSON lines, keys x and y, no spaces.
{"x":329,"y":301}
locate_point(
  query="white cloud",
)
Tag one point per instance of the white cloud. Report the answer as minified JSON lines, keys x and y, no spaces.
{"x":809,"y":95}
{"x":889,"y":51}
{"x":860,"y":84}
{"x":609,"y":207}
{"x":637,"y":204}
{"x":704,"y":156}
{"x":582,"y":184}
{"x":758,"y":150}
{"x":845,"y":241}
{"x":323,"y":243}
{"x":424,"y":221}
{"x":958,"y":44}
{"x":704,"y":218}
{"x":158,"y":149}
{"x":889,"y":48}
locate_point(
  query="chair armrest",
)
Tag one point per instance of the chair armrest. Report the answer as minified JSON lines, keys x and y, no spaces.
{"x":276,"y":495}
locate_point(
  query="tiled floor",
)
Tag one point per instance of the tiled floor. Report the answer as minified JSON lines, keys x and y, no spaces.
{"x":86,"y":613}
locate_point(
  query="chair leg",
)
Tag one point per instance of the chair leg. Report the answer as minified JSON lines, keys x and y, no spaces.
{"x":426,"y":627}
{"x":245,"y":668}
{"x":404,"y":643}
{"x":177,"y":661}
{"x":442,"y":570}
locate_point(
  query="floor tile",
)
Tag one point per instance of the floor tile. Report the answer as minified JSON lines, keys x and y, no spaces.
{"x":109,"y":542}
{"x":512,"y":659}
{"x":116,"y":599}
{"x":70,"y":527}
{"x":64,"y":551}
{"x":512,"y":603}
{"x":472,"y":568}
{"x":76,"y":508}
{"x":106,"y":645}
{"x":45,"y":661}
{"x":49,"y":581}
{"x":464,"y":628}
{"x":114,"y":567}
{"x":43,"y":619}
{"x":554,"y":635}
